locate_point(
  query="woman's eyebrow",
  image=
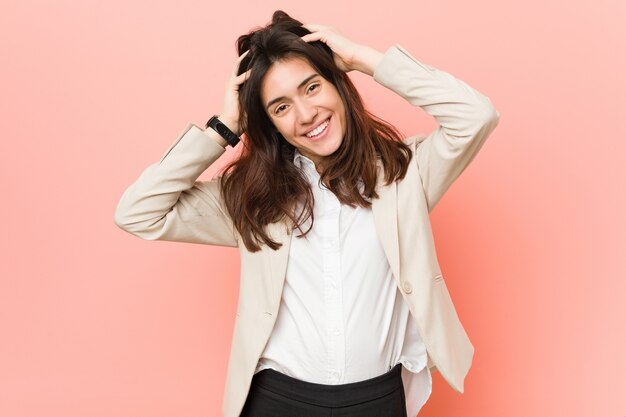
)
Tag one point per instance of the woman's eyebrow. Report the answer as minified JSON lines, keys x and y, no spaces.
{"x":306,"y":80}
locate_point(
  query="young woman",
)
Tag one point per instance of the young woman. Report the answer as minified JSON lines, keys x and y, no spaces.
{"x":343,"y":309}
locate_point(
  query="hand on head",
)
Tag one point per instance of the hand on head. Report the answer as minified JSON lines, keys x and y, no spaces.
{"x":344,"y":49}
{"x":230,"y":111}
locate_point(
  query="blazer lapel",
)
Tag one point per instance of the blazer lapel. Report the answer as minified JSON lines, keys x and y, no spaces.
{"x":385,"y":214}
{"x":277,"y":259}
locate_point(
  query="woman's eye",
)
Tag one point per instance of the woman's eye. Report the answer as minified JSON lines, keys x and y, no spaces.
{"x":312,"y":87}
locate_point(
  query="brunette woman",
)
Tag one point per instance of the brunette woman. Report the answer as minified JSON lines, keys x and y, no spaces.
{"x":343,"y":309}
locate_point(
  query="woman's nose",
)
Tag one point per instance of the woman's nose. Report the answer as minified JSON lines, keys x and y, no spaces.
{"x":306,"y":113}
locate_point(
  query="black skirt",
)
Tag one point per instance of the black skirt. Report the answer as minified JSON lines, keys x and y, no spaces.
{"x":274,"y":394}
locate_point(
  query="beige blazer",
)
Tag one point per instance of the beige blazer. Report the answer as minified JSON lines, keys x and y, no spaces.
{"x":167,"y":202}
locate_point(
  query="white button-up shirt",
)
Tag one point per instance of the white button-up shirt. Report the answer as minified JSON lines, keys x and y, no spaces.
{"x":342,"y":318}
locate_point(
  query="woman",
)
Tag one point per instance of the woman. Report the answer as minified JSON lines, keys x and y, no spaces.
{"x":348,"y":315}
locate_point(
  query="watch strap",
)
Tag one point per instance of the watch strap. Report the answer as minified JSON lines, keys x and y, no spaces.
{"x":216,"y":124}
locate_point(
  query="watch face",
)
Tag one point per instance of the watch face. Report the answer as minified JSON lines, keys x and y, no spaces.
{"x":222,"y":129}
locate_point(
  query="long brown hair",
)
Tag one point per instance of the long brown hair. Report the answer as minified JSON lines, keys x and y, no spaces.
{"x":263,"y":184}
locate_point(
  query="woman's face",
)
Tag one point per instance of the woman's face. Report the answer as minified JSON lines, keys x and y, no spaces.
{"x":298,"y":100}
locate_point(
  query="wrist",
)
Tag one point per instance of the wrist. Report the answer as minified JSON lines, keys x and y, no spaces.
{"x":224,"y":127}
{"x":230,"y":123}
{"x":367,"y":59}
{"x":215,"y":136}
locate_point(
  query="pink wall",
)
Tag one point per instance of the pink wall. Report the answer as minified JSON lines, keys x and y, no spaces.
{"x":96,"y":322}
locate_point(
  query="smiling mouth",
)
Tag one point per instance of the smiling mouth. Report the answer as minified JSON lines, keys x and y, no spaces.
{"x":319,"y":129}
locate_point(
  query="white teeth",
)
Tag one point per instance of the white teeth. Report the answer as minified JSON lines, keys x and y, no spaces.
{"x":318,"y":130}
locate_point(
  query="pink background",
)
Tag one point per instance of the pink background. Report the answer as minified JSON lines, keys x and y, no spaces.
{"x":96,"y":322}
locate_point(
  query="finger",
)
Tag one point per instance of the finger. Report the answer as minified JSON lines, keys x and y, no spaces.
{"x":238,"y":62}
{"x":311,"y":37}
{"x":242,"y":77}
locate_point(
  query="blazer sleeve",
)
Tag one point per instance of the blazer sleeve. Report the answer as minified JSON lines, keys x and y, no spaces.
{"x":465,"y":118}
{"x":167,"y":203}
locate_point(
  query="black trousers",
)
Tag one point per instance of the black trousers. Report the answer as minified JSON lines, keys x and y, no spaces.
{"x":274,"y":394}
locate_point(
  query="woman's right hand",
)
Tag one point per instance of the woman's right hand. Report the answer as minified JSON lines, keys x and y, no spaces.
{"x":230,"y":112}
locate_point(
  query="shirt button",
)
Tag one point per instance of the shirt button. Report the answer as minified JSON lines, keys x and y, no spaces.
{"x":407,"y":287}
{"x":336,"y":332}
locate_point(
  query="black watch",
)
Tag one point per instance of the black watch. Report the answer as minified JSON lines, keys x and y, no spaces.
{"x":217,"y":125}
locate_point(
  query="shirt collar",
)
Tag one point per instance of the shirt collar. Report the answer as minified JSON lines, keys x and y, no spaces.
{"x":301,"y":161}
{"x":308,"y":166}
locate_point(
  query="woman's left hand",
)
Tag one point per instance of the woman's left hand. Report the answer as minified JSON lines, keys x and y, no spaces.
{"x":345,"y":51}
